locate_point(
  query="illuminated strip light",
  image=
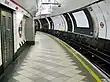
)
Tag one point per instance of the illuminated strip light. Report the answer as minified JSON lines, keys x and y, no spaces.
{"x":65,"y":22}
{"x":72,"y":22}
{"x":40,"y":24}
{"x":48,"y":23}
{"x":51,"y":3}
{"x":20,"y":6}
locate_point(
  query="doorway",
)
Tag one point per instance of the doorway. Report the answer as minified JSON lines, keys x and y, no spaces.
{"x":7,"y":48}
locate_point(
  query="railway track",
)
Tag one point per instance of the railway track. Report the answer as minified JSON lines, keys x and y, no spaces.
{"x":99,"y":59}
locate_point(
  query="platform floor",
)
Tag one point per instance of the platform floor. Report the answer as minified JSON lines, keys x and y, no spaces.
{"x":47,"y":61}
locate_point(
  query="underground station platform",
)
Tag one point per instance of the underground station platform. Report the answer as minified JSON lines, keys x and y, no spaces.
{"x":51,"y":60}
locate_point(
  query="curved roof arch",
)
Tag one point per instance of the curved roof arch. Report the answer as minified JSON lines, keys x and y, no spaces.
{"x":66,"y":5}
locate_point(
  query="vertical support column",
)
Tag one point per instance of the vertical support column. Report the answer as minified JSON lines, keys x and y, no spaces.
{"x":29,"y":31}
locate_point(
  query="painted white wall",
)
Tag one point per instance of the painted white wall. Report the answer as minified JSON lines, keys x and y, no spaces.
{"x":95,"y":23}
{"x":17,"y":19}
{"x":23,"y":39}
{"x":100,"y":18}
{"x":59,"y":23}
{"x":106,"y":13}
{"x":40,"y":24}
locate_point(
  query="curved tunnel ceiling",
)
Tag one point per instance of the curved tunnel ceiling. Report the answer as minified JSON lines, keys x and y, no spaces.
{"x":66,"y":5}
{"x":29,"y":5}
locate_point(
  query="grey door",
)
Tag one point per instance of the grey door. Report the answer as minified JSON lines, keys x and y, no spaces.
{"x":7,"y":38}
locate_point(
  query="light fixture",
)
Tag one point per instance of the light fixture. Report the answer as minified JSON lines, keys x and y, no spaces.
{"x":58,"y":4}
{"x":45,"y":7}
{"x":52,"y":3}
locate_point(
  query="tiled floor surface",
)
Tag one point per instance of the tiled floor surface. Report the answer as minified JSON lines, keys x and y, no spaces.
{"x":47,"y":61}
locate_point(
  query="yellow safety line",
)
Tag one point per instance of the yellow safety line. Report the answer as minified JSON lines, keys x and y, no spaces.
{"x":97,"y":78}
